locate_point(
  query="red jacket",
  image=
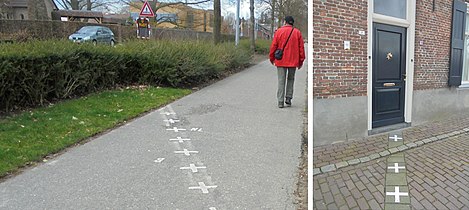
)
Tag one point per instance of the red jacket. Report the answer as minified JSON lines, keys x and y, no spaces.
{"x":294,"y":52}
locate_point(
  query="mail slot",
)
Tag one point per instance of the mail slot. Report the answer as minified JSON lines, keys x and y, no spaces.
{"x":389,"y":84}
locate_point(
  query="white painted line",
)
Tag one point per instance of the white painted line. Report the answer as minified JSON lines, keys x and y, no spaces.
{"x":193,"y":168}
{"x":159,"y":160}
{"x":395,"y":138}
{"x":186,"y":152}
{"x":396,"y":167}
{"x":202,"y":187}
{"x":196,"y":129}
{"x":397,"y":194}
{"x":175,"y":129}
{"x":171,"y":121}
{"x":212,"y":208}
{"x":179,"y":139}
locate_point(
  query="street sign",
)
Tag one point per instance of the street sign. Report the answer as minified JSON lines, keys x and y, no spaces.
{"x":146,"y":10}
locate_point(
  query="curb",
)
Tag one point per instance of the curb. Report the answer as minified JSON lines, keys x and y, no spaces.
{"x":388,"y":152}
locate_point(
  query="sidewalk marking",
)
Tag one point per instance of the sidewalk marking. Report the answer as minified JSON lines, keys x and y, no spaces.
{"x":395,"y":138}
{"x":179,"y":139}
{"x":196,"y":129}
{"x":186,"y":152}
{"x":175,"y":129}
{"x":396,"y":167}
{"x":202,"y":187}
{"x":168,"y":113}
{"x":212,"y":208}
{"x":172,"y":121}
{"x":159,"y":160}
{"x":397,"y":194}
{"x":192,"y":167}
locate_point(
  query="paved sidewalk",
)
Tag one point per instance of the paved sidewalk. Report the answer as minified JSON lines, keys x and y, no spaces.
{"x":433,"y":169}
{"x":226,"y":146}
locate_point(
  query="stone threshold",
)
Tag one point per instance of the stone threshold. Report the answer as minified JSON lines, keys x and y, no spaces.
{"x":386,"y":153}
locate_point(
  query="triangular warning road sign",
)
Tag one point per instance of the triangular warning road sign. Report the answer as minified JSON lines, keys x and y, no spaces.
{"x":146,"y":10}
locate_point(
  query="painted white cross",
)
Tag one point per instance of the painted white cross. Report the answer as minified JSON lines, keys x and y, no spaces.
{"x":181,"y":140}
{"x":396,"y":167}
{"x":395,"y":138}
{"x":175,"y":129}
{"x":168,"y":113}
{"x":202,"y":187}
{"x":186,"y":152}
{"x":193,"y":168}
{"x":171,"y":121}
{"x":159,"y":160}
{"x":397,"y":194}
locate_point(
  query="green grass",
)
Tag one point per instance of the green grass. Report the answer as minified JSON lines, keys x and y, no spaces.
{"x":32,"y":135}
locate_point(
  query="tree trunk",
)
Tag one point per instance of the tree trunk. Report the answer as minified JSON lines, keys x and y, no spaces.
{"x":88,"y":5}
{"x":272,"y":24}
{"x":74,"y":4}
{"x":253,"y":26}
{"x":216,"y":21}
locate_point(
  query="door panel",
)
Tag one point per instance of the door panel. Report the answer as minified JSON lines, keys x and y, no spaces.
{"x":389,"y":68}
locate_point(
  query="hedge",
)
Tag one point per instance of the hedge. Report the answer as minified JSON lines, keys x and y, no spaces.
{"x":37,"y":72}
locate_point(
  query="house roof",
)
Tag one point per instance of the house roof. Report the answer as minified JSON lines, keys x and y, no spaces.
{"x":79,"y":13}
{"x":24,"y":3}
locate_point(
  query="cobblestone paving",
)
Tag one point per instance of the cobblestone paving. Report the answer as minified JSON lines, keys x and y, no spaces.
{"x":355,"y":187}
{"x":438,"y":174}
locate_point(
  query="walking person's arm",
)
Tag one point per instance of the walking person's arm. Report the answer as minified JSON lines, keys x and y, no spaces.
{"x":302,"y":50}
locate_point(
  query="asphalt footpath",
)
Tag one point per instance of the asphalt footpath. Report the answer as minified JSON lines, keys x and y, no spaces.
{"x":227,"y":146}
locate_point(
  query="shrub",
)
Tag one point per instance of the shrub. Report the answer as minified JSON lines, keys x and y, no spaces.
{"x":33,"y":73}
{"x":262,"y":45}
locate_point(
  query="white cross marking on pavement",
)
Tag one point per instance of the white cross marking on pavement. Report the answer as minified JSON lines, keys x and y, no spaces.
{"x":212,"y":208}
{"x":175,"y":129}
{"x":196,"y":129}
{"x":168,"y":113}
{"x":395,"y":138}
{"x":397,"y":194}
{"x":202,"y":187}
{"x":193,"y":168}
{"x":159,"y":160}
{"x":396,"y":167}
{"x":171,"y":121}
{"x":181,"y":140}
{"x":186,"y":152}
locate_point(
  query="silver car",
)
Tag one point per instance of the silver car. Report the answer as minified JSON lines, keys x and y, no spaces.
{"x":93,"y":34}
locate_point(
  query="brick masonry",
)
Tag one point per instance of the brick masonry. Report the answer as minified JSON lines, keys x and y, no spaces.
{"x":341,"y":73}
{"x":338,"y":72}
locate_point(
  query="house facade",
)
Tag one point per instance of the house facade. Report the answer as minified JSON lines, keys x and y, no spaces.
{"x":27,"y":9}
{"x":380,"y":65}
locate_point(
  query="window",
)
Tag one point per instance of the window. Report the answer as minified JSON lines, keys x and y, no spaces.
{"x":22,"y":17}
{"x":393,"y":8}
{"x":190,"y":19}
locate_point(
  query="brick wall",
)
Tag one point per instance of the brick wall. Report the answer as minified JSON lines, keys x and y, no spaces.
{"x":337,"y":72}
{"x":432,"y":44}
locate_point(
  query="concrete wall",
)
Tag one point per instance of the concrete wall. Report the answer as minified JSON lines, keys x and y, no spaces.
{"x":339,"y":119}
{"x":437,"y":104}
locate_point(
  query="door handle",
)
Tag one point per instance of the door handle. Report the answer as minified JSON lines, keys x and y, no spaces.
{"x":404,"y":76}
{"x":389,"y":84}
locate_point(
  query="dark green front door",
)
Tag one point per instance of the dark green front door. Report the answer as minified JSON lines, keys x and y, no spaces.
{"x":389,"y":68}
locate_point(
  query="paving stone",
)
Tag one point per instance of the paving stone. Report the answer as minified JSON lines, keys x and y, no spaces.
{"x":384,"y":153}
{"x":351,"y":202}
{"x":441,"y":136}
{"x":353,"y":161}
{"x":374,"y":156}
{"x":395,"y":144}
{"x":316,"y":171}
{"x":426,"y":141}
{"x":328,"y":168}
{"x":341,"y":164}
{"x":389,"y":206}
{"x":395,"y":159}
{"x":411,"y":145}
{"x":434,"y":139}
{"x":364,"y":159}
{"x":393,"y":150}
{"x":393,"y":179}
{"x":362,"y":203}
{"x":466,"y":129}
{"x":402,"y":148}
{"x":420,"y":142}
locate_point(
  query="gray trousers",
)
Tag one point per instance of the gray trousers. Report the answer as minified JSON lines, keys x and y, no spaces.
{"x":283,"y":72}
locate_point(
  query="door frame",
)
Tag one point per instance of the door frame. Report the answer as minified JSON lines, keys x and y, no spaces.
{"x":410,"y":49}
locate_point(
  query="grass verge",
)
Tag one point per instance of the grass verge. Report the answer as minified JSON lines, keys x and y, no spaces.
{"x":30,"y":136}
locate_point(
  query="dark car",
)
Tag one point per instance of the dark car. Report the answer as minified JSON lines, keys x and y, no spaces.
{"x":93,"y":34}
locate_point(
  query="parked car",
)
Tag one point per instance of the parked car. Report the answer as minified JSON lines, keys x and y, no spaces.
{"x":93,"y":34}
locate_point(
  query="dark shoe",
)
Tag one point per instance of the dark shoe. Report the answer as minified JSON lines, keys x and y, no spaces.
{"x":288,"y":102}
{"x":280,"y":104}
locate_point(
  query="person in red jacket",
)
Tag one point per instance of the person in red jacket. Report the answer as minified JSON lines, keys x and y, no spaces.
{"x":293,"y":58}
